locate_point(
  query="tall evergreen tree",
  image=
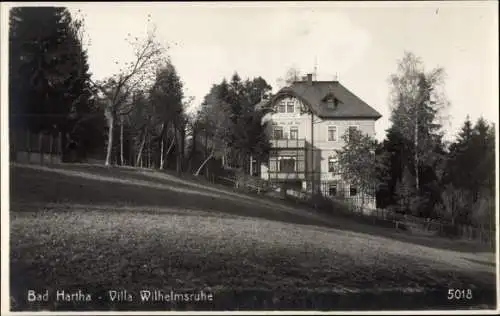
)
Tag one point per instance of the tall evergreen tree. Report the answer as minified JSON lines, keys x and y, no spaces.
{"x":470,"y":170}
{"x":48,"y":77}
{"x":471,"y":162}
{"x":49,"y":88}
{"x":460,"y":160}
{"x":245,"y":138}
{"x":167,"y":96}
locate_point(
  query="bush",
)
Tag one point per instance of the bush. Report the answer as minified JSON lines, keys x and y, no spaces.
{"x":449,"y":231}
{"x":330,"y":206}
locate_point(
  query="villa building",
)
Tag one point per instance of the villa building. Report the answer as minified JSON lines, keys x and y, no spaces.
{"x":307,"y":122}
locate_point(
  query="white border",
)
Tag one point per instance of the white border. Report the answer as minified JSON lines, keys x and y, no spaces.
{"x":5,"y":6}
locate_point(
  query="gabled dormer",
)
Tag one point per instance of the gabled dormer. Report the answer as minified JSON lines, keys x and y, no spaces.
{"x":331,"y":101}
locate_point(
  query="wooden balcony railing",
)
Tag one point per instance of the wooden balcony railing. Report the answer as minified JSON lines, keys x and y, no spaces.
{"x":288,"y":143}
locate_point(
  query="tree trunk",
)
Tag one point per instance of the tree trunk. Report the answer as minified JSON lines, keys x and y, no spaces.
{"x":178,"y":149}
{"x":111,"y":123}
{"x":251,"y":165}
{"x":417,"y":182}
{"x":162,"y":146}
{"x":193,"y":151}
{"x":170,"y":147}
{"x":162,"y":150}
{"x":149,"y":151}
{"x":183,"y":144}
{"x":197,"y":173}
{"x":121,"y":142}
{"x":138,"y":161}
{"x":206,"y":142}
{"x":313,"y":187}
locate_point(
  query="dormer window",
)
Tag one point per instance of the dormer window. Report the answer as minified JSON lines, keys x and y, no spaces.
{"x":281,"y":107}
{"x":331,"y":101}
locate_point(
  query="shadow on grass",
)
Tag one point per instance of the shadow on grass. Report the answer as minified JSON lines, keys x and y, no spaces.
{"x":37,"y":267}
{"x":236,"y":284}
{"x":29,"y":185}
{"x":48,"y":187}
{"x":485,"y":263}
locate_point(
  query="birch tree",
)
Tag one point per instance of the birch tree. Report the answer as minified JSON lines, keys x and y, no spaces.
{"x":418,"y":102}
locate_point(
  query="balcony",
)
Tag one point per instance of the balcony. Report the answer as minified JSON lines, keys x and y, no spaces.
{"x":288,"y":143}
{"x":280,"y":175}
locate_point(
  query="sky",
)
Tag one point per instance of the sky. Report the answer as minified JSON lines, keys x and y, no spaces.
{"x":358,"y":42}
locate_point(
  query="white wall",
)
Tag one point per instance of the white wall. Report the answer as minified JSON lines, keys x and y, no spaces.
{"x":303,"y":122}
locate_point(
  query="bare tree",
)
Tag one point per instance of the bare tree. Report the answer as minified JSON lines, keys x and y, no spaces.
{"x":292,"y":74}
{"x":118,"y":89}
{"x":454,"y":203}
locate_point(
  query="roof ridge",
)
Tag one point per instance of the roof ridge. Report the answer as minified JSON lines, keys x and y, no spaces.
{"x":312,"y":94}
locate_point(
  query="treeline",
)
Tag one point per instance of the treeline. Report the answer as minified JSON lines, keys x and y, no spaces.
{"x":413,"y":170}
{"x":138,"y":116}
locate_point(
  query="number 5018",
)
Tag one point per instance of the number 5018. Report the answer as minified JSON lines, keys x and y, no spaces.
{"x":459,"y":294}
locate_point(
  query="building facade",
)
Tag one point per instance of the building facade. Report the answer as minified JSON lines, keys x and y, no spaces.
{"x":307,"y":122}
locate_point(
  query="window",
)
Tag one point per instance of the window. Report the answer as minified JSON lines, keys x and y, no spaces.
{"x":281,"y":107}
{"x":332,"y":189}
{"x":278,"y":132}
{"x":290,"y":107}
{"x":350,"y":131}
{"x":287,"y":164}
{"x":294,"y":133}
{"x":331,"y":164}
{"x":353,"y":191}
{"x":330,"y":103}
{"x":332,"y":133}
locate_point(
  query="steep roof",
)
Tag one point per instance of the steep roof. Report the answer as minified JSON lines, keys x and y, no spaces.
{"x":313,"y":95}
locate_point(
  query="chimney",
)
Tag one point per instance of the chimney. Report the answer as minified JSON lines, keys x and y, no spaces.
{"x":310,"y":78}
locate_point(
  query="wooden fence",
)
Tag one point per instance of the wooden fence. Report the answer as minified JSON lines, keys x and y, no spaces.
{"x":28,"y":147}
{"x":428,"y":226}
{"x":412,"y":224}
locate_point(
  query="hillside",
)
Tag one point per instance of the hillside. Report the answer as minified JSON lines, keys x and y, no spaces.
{"x":96,"y":228}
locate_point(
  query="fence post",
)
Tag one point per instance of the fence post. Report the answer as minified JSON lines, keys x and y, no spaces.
{"x":51,"y":145}
{"x":28,"y":145}
{"x":491,"y":237}
{"x":40,"y":147}
{"x":13,"y":146}
{"x":59,"y":145}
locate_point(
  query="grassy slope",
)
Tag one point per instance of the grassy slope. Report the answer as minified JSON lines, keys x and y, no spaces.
{"x":98,"y":228}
